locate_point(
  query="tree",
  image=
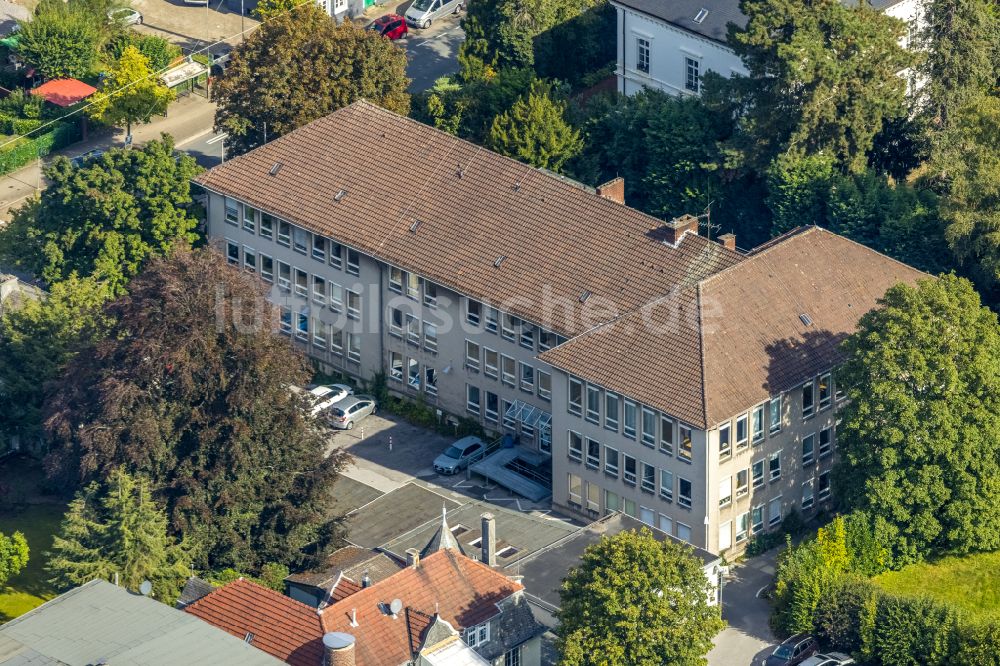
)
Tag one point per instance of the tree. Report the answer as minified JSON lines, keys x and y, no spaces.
{"x":822,"y":78}
{"x":302,"y":66}
{"x":269,"y":9}
{"x":920,"y":437}
{"x":107,"y":218}
{"x":535,"y":130}
{"x":37,"y":340}
{"x":116,"y":529}
{"x":131,"y":93}
{"x":13,"y":555}
{"x":61,"y":40}
{"x":637,"y":601}
{"x":190,"y":388}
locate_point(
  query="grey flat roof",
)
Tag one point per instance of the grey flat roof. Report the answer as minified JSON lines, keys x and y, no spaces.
{"x":99,"y":620}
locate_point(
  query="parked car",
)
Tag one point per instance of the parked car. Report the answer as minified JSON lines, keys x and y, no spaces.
{"x":125,"y":16}
{"x":828,"y":659}
{"x":391,"y":26}
{"x":424,"y":12}
{"x":324,"y":397}
{"x":456,"y":457}
{"x":351,"y":410}
{"x":80,"y":160}
{"x":793,"y":651}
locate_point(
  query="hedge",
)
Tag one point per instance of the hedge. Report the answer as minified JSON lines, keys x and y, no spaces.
{"x":22,"y":151}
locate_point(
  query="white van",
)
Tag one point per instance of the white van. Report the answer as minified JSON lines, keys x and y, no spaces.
{"x":423,"y":12}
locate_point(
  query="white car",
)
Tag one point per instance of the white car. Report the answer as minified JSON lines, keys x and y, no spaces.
{"x":322,"y":397}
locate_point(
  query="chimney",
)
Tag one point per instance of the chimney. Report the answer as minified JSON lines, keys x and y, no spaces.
{"x":338,"y":649}
{"x":677,"y":227}
{"x":412,"y":557}
{"x":488,"y":541}
{"x":728,"y":241}
{"x":614,"y":190}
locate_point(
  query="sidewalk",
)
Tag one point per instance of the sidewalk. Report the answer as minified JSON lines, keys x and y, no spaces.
{"x":188,"y":118}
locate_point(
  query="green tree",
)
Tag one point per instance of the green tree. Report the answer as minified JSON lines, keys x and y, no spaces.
{"x":822,"y":79}
{"x":269,"y":9}
{"x":535,"y":130}
{"x":302,"y":66}
{"x":61,"y":40}
{"x":116,"y":528}
{"x":13,"y":555}
{"x":920,"y":438}
{"x":636,"y":601}
{"x":190,"y":388}
{"x":37,"y":340}
{"x":131,"y":93}
{"x":107,"y":218}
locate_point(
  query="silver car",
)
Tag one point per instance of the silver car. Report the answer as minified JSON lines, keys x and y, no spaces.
{"x":423,"y":12}
{"x":348,"y":412}
{"x":458,"y":455}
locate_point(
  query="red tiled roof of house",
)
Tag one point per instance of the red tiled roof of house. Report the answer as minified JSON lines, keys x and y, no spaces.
{"x":282,"y":627}
{"x":463,"y":591}
{"x":64,"y":92}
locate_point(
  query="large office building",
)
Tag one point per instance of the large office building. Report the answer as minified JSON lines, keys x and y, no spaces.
{"x":669,"y":376}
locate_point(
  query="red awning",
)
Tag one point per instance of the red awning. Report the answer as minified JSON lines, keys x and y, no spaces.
{"x":64,"y":92}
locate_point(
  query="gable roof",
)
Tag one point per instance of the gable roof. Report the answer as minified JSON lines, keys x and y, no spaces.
{"x":466,"y":218}
{"x":282,"y":627}
{"x":717,"y":348}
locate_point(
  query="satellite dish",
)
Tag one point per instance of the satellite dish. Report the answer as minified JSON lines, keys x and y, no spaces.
{"x":145,"y":588}
{"x":396,"y":606}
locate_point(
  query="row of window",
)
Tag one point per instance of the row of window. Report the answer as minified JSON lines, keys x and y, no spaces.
{"x":284,"y":233}
{"x":624,"y":416}
{"x":510,"y":328}
{"x":495,"y":411}
{"x":587,"y":495}
{"x":692,"y":66}
{"x":409,"y":370}
{"x":507,"y":370}
{"x":321,"y":334}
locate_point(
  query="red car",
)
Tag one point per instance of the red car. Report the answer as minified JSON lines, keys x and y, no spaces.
{"x":392,"y":26}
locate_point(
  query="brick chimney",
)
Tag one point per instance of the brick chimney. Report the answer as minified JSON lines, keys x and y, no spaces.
{"x":338,"y":649}
{"x":488,"y":541}
{"x":728,"y":241}
{"x":614,"y":190}
{"x":677,"y":227}
{"x":412,"y":557}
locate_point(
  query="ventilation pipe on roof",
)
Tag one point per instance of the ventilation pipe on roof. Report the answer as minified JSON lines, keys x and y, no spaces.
{"x":338,"y":649}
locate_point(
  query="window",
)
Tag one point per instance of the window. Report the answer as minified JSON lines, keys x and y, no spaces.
{"x":666,"y":524}
{"x":249,"y":219}
{"x":527,"y":339}
{"x":336,"y":255}
{"x":337,"y":341}
{"x":642,"y":54}
{"x":574,"y":446}
{"x":527,"y":377}
{"x":757,"y":471}
{"x":684,"y":532}
{"x":491,"y":363}
{"x":593,"y":404}
{"x":353,"y":305}
{"x":825,"y":444}
{"x":544,"y":385}
{"x":546,"y":340}
{"x":302,"y":326}
{"x":649,"y":427}
{"x":319,"y":248}
{"x":685,"y":451}
{"x":301,"y":283}
{"x":575,"y":489}
{"x":430,"y":294}
{"x":508,"y":327}
{"x":757,"y":423}
{"x":319,"y":290}
{"x":667,"y":485}
{"x":807,"y":495}
{"x":742,"y":482}
{"x":774,"y":511}
{"x":266,"y":268}
{"x":774,"y":465}
{"x":233,"y":253}
{"x":412,"y":330}
{"x":611,"y":461}
{"x":512,"y":657}
{"x":630,"y":416}
{"x":726,"y":491}
{"x":692,"y":74}
{"x":742,"y":526}
{"x":575,"y":401}
{"x":472,"y":398}
{"x":354,"y":347}
{"x":593,"y":454}
{"x":742,"y":436}
{"x":430,"y":336}
{"x":492,"y":407}
{"x":667,"y":435}
{"x":725,"y":535}
{"x":683,"y":492}
{"x":611,"y":403}
{"x":473,"y":311}
{"x":249,"y":259}
{"x":412,"y":286}
{"x":353,"y":262}
{"x":492,"y":317}
{"x":774,"y":412}
{"x":396,"y":366}
{"x":430,"y":381}
{"x":266,"y":226}
{"x":648,"y":478}
{"x":808,"y":449}
{"x":336,"y":297}
{"x":232,"y":212}
{"x":320,"y":329}
{"x":300,"y":240}
{"x":478,"y":634}
{"x":825,"y":391}
{"x":508,"y":370}
{"x":472,"y":355}
{"x":396,"y":280}
{"x":824,"y":485}
{"x":284,"y":233}
{"x":725,"y":440}
{"x":285,"y":320}
{"x":413,"y":373}
{"x":611,"y":502}
{"x":757,"y":518}
{"x":807,"y":399}
{"x":630,"y":470}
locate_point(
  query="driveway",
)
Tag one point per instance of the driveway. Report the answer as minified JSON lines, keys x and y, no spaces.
{"x":748,"y":639}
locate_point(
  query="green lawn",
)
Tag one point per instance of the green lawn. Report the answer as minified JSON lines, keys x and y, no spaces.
{"x":29,"y":588}
{"x":970,"y":583}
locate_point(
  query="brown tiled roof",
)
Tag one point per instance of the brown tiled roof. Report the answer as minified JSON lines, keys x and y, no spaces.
{"x":465,"y":593}
{"x":559,"y":240}
{"x":707,"y":352}
{"x":282,"y":627}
